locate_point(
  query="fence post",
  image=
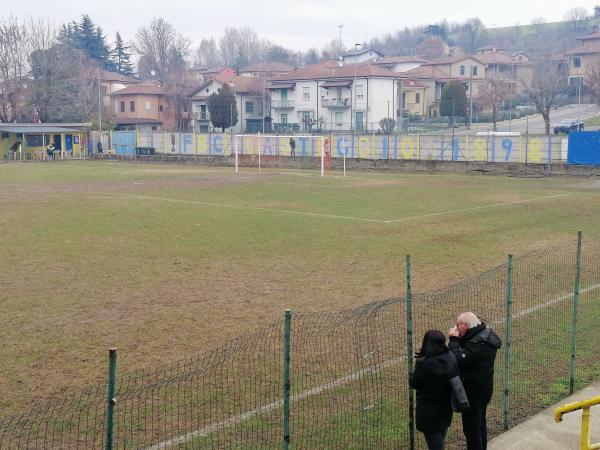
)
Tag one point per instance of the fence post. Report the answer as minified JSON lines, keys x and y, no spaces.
{"x":409,"y":351}
{"x":286,"y":378}
{"x":509,"y":301}
{"x":110,"y":401}
{"x":574,"y":313}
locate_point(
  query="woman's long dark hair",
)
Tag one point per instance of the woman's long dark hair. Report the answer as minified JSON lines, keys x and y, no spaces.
{"x":434,"y":343}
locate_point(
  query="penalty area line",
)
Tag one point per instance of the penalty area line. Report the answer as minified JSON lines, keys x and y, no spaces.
{"x":327,"y":216}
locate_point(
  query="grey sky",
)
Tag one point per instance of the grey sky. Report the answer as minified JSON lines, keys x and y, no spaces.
{"x":297,"y":24}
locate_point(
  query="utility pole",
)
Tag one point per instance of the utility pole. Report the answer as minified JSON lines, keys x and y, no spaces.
{"x":470,"y":97}
{"x":99,"y":106}
{"x":353,"y":105}
{"x":341,"y":45}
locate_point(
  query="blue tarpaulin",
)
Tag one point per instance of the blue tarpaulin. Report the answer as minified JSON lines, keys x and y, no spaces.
{"x":584,"y":148}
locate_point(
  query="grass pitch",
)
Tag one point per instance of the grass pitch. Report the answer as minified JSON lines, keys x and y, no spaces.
{"x":162,"y":261}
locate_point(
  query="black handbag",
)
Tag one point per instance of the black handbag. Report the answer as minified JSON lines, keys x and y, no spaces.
{"x":458,"y":397}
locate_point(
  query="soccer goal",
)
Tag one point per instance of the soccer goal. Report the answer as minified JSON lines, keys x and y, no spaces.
{"x":266,"y":146}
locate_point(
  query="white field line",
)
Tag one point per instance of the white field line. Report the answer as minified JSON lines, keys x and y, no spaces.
{"x":333,"y":384}
{"x":475,"y":208}
{"x":330,"y":216}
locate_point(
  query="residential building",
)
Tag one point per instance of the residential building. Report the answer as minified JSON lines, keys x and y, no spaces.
{"x":111,"y":82}
{"x":468,"y":69}
{"x":143,"y":106}
{"x":582,"y":57}
{"x":361,"y":56}
{"x":250,"y":98}
{"x":434,"y":79}
{"x":351,"y":97}
{"x":400,"y":64}
{"x":204,"y":73}
{"x":507,"y":67}
{"x":265,"y":70}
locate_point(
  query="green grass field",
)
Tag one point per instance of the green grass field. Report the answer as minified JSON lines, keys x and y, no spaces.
{"x":163,"y":261}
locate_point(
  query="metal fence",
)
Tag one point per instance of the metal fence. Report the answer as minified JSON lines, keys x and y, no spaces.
{"x":538,"y":149}
{"x":338,"y":380}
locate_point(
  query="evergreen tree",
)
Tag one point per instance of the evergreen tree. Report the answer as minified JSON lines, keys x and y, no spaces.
{"x":222,"y":108}
{"x":121,"y":58}
{"x":454,"y":100}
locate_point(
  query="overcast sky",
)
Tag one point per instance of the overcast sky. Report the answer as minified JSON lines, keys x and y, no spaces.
{"x":293,"y":24}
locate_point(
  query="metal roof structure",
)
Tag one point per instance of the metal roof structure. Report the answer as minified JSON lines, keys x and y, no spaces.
{"x":37,"y":128}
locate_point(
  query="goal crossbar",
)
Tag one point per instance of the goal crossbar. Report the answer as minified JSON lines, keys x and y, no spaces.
{"x":261,"y":137}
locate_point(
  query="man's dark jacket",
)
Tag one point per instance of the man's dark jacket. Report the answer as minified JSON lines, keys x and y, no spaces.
{"x":476,"y":353}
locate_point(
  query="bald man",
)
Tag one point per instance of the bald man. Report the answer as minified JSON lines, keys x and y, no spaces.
{"x":475,"y":347}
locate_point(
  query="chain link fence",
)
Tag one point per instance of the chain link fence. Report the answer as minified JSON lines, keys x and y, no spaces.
{"x":338,"y":380}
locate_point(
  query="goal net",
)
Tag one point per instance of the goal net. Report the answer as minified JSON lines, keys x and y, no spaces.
{"x":263,"y":150}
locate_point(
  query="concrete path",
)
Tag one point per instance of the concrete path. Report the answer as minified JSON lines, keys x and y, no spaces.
{"x":541,"y":432}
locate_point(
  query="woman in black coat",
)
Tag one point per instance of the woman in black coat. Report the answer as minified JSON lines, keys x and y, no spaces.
{"x":434,"y":367}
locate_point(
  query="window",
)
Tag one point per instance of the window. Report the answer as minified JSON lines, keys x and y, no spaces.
{"x":249,"y":107}
{"x":462,"y":70}
{"x":122,"y":106}
{"x":284,"y":119}
{"x":339,"y":118}
{"x":359,"y":91}
{"x":160,"y":108}
{"x":576,"y":62}
{"x":148,"y":106}
{"x":34,"y":140}
{"x":417,"y":98}
{"x":132,"y":106}
{"x":116,"y":107}
{"x":474,"y":70}
{"x":305,"y":93}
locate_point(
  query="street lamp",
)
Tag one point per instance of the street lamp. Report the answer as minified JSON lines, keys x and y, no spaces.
{"x":353,"y":106}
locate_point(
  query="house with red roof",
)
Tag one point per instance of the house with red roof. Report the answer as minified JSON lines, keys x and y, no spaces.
{"x":333,"y":96}
{"x":250,"y":98}
{"x":265,"y":70}
{"x":143,"y":106}
{"x":582,"y":57}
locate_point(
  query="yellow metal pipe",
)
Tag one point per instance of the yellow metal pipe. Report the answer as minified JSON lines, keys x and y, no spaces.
{"x":584,"y":405}
{"x":570,"y":407}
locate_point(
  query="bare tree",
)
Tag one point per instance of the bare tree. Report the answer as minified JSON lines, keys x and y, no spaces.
{"x":178,"y":88}
{"x":543,"y":85}
{"x":492,"y":95}
{"x":537,"y":23}
{"x":332,"y":50}
{"x":207,"y":53}
{"x":592,"y":80}
{"x":576,"y":18}
{"x":162,"y":46}
{"x":431,"y":47}
{"x":473,"y":34}
{"x":239,"y":47}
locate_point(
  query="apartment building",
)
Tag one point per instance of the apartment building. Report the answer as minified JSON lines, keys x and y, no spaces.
{"x":347,"y":97}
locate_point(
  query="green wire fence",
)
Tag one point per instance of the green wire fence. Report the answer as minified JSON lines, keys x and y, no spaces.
{"x":338,"y":380}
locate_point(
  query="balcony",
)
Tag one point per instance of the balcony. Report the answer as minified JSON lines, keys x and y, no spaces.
{"x":282,"y":104}
{"x":333,"y":103}
{"x":200,"y":116}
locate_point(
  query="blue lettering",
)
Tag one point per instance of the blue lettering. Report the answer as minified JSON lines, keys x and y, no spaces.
{"x":217,"y":147}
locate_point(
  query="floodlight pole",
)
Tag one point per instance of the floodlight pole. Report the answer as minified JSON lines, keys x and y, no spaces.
{"x":235,"y":146}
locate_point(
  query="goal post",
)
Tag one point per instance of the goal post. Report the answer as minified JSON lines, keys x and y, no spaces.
{"x":282,"y":145}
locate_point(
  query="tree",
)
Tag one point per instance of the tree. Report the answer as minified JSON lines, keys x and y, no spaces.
{"x":545,"y":83}
{"x":13,"y":68}
{"x":162,"y":47}
{"x":387,"y":125}
{"x":121,"y":58}
{"x":454,"y":100}
{"x":431,"y":47}
{"x":222,"y":108}
{"x":332,"y":50}
{"x":207,"y":53}
{"x":492,"y":95}
{"x":473,"y":35}
{"x":538,"y":23}
{"x":311,"y":57}
{"x":576,"y":18}
{"x":592,"y":80}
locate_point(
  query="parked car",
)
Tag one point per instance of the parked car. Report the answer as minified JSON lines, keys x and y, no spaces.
{"x":568,"y":125}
